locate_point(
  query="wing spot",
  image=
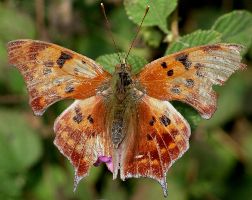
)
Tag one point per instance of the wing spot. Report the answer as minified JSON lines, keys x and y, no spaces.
{"x":189,"y":83}
{"x":172,"y":145}
{"x":164,"y":65}
{"x":78,"y":117}
{"x":178,"y":138}
{"x":149,"y":138}
{"x":69,"y":89}
{"x":199,"y":73}
{"x":152,"y":121}
{"x":49,"y":63}
{"x":64,"y":135}
{"x":90,"y":119}
{"x":176,"y":90}
{"x":63,"y":58}
{"x":198,"y":65}
{"x":165,"y":120}
{"x":170,"y":72}
{"x":47,"y":71}
{"x":183,"y":58}
{"x":70,"y":142}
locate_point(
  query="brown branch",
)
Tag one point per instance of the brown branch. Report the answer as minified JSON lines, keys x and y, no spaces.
{"x":175,"y":26}
{"x":11,"y":99}
{"x":40,"y":19}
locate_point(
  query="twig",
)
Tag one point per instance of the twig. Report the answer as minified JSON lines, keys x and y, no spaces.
{"x":175,"y":26}
{"x":11,"y":99}
{"x":40,"y":16}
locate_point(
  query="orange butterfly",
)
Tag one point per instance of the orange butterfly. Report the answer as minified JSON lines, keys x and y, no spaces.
{"x":123,"y":120}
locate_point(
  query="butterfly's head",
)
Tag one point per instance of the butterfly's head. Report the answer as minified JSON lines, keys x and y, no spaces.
{"x":123,"y":67}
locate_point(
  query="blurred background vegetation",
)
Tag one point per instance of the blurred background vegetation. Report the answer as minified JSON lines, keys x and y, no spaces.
{"x":218,"y":164}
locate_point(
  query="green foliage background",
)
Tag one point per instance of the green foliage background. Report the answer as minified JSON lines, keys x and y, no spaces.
{"x":218,"y":164}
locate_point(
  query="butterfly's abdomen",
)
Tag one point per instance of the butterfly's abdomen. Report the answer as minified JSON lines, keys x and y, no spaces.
{"x":120,"y":104}
{"x":117,"y":132}
{"x":119,"y":120}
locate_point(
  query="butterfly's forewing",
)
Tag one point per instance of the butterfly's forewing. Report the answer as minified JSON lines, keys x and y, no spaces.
{"x":53,"y":73}
{"x":189,"y":75}
{"x":161,"y":136}
{"x":81,"y":134}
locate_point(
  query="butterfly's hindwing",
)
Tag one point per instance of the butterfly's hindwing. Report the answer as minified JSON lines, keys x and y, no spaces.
{"x":81,"y":134}
{"x":159,"y":137}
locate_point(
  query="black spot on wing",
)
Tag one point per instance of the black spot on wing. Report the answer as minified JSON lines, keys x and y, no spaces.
{"x":47,"y":71}
{"x":78,"y":115}
{"x":152,"y":121}
{"x":170,"y":72}
{"x":90,"y":119}
{"x":165,"y":120}
{"x":69,"y":89}
{"x":183,"y":58}
{"x":189,"y":83}
{"x":63,"y":58}
{"x":148,"y":137}
{"x":175,"y":90}
{"x":48,"y":63}
{"x":164,"y":65}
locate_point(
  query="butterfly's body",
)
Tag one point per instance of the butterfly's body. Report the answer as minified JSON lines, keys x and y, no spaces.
{"x":123,"y":119}
{"x":120,"y":103}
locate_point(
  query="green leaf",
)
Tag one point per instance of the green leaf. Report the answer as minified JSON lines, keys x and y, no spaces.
{"x":230,"y":101}
{"x":152,"y":37}
{"x":109,"y":62}
{"x":191,"y":115}
{"x":236,"y":27}
{"x":194,"y":39}
{"x":158,"y":12}
{"x":11,"y":185}
{"x":53,"y":181}
{"x":20,"y":145}
{"x":14,"y":24}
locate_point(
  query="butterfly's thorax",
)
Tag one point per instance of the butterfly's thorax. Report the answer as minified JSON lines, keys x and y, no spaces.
{"x":120,"y":103}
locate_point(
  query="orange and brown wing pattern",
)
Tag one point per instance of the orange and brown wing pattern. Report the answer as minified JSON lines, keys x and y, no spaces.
{"x":189,"y":75}
{"x":161,"y":136}
{"x":81,"y":134}
{"x":53,"y":73}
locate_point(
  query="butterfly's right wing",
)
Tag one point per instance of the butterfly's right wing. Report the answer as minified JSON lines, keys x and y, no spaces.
{"x":53,"y":73}
{"x":157,"y":136}
{"x":190,"y":74}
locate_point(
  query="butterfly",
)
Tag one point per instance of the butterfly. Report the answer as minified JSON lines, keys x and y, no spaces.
{"x":122,"y":119}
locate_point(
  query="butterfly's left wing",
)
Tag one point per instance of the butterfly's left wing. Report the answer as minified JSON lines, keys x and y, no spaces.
{"x":189,"y":75}
{"x":52,"y":72}
{"x":157,"y":136}
{"x":81,"y":134}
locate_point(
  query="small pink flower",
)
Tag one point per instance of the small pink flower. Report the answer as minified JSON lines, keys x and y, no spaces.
{"x":105,"y":159}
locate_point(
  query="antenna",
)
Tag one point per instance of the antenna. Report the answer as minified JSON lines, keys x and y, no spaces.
{"x":138,"y":30}
{"x":110,"y":32}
